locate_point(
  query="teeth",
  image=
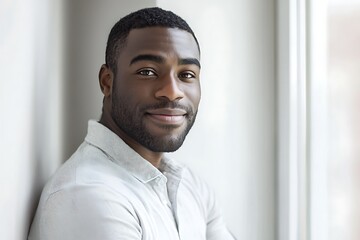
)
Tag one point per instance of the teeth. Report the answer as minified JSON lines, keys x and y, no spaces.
{"x":173,"y":118}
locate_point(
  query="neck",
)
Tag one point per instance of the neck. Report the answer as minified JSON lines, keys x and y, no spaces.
{"x":153,"y":157}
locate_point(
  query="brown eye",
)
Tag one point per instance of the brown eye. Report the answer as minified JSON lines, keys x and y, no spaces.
{"x":186,"y":75}
{"x":146,"y":72}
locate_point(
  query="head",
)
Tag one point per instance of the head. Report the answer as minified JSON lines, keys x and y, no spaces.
{"x":151,"y":79}
{"x":148,"y":17}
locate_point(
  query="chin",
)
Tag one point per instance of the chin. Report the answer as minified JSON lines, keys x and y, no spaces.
{"x":167,"y":144}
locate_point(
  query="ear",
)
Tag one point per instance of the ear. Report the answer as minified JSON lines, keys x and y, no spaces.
{"x":106,"y":78}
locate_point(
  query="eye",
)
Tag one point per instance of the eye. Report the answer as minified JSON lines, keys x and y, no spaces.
{"x":146,"y":72}
{"x":187,"y":75}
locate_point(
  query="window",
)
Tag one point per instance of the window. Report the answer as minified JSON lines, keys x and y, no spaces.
{"x":319,"y":96}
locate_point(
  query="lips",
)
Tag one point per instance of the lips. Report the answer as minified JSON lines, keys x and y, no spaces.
{"x":167,"y":116}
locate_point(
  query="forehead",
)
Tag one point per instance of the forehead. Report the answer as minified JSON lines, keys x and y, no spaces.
{"x":160,"y":41}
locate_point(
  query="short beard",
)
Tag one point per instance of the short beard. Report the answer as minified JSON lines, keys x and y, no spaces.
{"x":130,"y":122}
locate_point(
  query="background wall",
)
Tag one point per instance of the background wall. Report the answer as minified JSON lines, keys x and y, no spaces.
{"x":30,"y":106}
{"x":232,"y":144}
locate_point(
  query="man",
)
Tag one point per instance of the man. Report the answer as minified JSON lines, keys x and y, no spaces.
{"x":118,"y":184}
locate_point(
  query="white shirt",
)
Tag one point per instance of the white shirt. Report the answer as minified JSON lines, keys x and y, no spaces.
{"x":107,"y":191}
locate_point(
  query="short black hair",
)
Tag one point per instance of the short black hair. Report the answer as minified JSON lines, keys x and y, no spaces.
{"x":147,"y":17}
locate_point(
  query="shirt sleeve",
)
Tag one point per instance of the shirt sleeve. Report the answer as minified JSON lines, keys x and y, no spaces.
{"x":88,"y":213}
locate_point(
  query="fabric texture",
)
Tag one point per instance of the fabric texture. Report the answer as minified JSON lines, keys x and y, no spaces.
{"x":106,"y":191}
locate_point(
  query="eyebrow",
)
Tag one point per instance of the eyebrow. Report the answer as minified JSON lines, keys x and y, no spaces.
{"x":159,"y":59}
{"x":147,"y":57}
{"x":189,"y":61}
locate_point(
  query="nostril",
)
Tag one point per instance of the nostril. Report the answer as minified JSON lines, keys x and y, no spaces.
{"x":170,"y":90}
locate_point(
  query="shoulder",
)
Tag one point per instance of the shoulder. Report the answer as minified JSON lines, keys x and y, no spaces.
{"x":89,"y":180}
{"x":85,"y":197}
{"x":91,"y":167}
{"x":85,"y":212}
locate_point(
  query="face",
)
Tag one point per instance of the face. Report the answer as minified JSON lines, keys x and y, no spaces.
{"x":156,"y":90}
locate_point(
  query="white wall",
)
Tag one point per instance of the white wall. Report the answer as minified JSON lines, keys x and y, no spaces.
{"x":30,"y":103}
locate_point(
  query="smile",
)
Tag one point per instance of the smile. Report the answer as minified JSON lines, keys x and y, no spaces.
{"x":167,"y":116}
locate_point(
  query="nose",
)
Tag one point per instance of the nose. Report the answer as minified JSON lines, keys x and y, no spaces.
{"x":169,"y":88}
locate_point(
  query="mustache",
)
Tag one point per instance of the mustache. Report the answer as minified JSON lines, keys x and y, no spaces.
{"x":167,"y":104}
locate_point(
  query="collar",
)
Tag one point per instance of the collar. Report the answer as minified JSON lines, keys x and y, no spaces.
{"x":123,"y":155}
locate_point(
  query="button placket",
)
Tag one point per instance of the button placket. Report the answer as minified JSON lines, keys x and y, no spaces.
{"x":160,"y":189}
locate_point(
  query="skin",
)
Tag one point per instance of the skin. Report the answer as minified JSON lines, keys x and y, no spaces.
{"x":156,"y":89}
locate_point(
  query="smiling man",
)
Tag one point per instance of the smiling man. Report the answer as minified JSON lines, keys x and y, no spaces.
{"x":118,"y":184}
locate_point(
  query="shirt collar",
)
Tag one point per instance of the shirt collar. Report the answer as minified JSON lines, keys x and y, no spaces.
{"x":113,"y":146}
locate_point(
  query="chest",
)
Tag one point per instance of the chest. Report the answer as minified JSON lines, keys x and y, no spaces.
{"x":170,"y":214}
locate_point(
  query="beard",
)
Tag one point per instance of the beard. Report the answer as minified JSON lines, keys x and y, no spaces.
{"x":130,"y":121}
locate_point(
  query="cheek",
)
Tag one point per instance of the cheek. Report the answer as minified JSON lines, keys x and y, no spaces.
{"x":194,"y":94}
{"x":133,"y":92}
{"x":140,"y":94}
